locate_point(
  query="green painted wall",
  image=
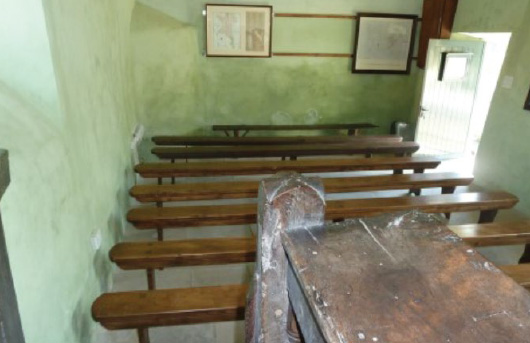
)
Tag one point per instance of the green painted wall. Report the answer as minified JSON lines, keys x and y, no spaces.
{"x":181,"y":92}
{"x":503,"y":160}
{"x":66,"y":112}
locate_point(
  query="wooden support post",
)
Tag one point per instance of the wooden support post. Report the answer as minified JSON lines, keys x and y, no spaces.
{"x":293,"y":158}
{"x":227,"y":133}
{"x":151,"y":279}
{"x":10,"y":324}
{"x":368,"y":155}
{"x":448,"y":189}
{"x":487,"y":216}
{"x":143,"y":335}
{"x":398,"y":171}
{"x":353,"y":132}
{"x":236,"y":133}
{"x":525,"y":258}
{"x":419,"y":171}
{"x":159,"y":181}
{"x":160,"y":233}
{"x":284,"y":203}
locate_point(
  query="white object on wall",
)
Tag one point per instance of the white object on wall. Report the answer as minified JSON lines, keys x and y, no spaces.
{"x":507,"y":82}
{"x":137,"y":136}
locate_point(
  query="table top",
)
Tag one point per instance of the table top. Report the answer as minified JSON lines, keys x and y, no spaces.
{"x":404,"y":278}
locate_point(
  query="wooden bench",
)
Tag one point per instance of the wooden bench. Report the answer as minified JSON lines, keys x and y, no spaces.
{"x":519,"y":272}
{"x":397,"y":164}
{"x":195,"y":252}
{"x":293,"y":151}
{"x":195,"y":216}
{"x":353,"y":129}
{"x":213,"y":251}
{"x":249,"y":189}
{"x":143,"y":309}
{"x":295,"y":140}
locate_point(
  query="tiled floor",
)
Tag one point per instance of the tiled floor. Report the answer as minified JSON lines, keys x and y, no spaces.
{"x":233,"y":332}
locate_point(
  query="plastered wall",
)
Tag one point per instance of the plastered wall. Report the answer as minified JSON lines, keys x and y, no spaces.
{"x":503,"y":159}
{"x":67,"y":110}
{"x":181,"y":92}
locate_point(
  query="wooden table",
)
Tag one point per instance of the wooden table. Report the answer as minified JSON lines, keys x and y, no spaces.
{"x":396,"y":278}
{"x":353,"y":129}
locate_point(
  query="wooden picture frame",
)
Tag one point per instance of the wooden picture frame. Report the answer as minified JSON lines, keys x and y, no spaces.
{"x":384,"y":43}
{"x":527,"y":103}
{"x":238,"y":31}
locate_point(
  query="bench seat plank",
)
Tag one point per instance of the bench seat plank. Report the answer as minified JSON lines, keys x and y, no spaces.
{"x":194,"y":252}
{"x":153,"y":255}
{"x":128,"y":310}
{"x":491,"y":234}
{"x":300,"y":127}
{"x":239,"y":141}
{"x":160,"y":170}
{"x":249,"y":189}
{"x":147,"y":218}
{"x":520,"y":273}
{"x":403,"y":148}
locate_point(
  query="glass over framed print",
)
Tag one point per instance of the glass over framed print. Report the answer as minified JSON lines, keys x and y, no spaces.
{"x":384,"y":43}
{"x":238,"y":31}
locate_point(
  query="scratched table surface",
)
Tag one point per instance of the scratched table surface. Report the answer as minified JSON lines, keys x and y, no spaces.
{"x":404,"y":278}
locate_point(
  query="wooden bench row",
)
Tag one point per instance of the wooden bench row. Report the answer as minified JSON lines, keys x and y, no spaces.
{"x":293,"y":151}
{"x":353,"y":129}
{"x":213,"y":251}
{"x":199,"y":169}
{"x":249,"y":189}
{"x":268,"y":141}
{"x":143,"y":309}
{"x":194,"y":216}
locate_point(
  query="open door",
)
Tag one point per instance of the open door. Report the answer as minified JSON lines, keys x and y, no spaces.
{"x":451,"y":78}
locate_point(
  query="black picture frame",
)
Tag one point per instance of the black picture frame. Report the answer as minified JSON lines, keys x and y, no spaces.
{"x":401,"y":66}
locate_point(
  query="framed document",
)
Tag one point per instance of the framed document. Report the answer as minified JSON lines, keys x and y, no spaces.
{"x":384,"y":43}
{"x":238,"y":31}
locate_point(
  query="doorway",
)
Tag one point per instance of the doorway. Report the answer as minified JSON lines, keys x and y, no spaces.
{"x":460,"y":79}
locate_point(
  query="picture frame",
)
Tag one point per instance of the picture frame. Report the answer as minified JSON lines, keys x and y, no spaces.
{"x":527,"y":103}
{"x":384,"y":43}
{"x":238,"y":30}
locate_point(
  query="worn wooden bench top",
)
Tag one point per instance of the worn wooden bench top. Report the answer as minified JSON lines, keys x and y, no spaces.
{"x":296,"y":140}
{"x":128,"y":310}
{"x":408,"y":280}
{"x":160,"y":170}
{"x":249,"y":189}
{"x":146,"y":218}
{"x":352,"y":148}
{"x":153,"y":255}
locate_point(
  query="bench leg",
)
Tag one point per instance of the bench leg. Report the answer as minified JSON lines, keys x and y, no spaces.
{"x":416,"y":192}
{"x":398,"y":171}
{"x":368,"y":155}
{"x":525,"y":258}
{"x":419,"y":171}
{"x":487,"y":216}
{"x":283,"y":158}
{"x":160,"y":234}
{"x":143,"y":335}
{"x":151,"y":279}
{"x":293,"y":158}
{"x":448,"y":190}
{"x":159,"y":181}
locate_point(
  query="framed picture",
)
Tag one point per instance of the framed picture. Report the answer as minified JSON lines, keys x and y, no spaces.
{"x":238,"y":31}
{"x":384,"y":43}
{"x":527,"y":103}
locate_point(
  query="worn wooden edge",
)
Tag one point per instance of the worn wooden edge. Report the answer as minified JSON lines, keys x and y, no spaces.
{"x":5,"y":178}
